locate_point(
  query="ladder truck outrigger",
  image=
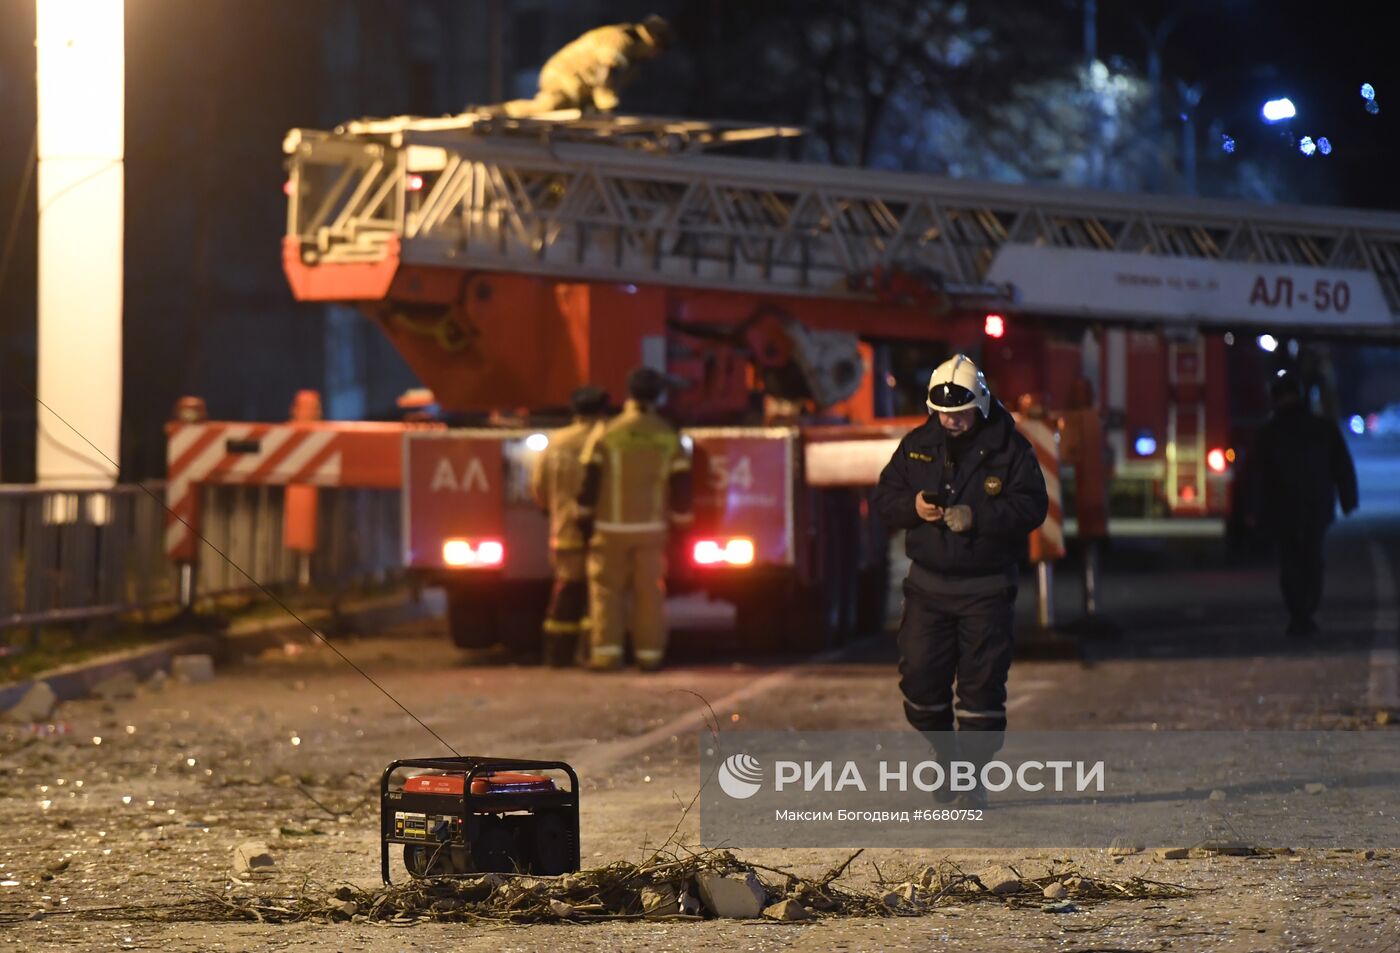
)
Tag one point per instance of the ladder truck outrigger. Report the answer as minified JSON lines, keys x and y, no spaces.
{"x":511,"y":260}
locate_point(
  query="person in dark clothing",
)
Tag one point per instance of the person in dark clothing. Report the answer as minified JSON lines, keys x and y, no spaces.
{"x":967,"y":489}
{"x":1297,"y":470}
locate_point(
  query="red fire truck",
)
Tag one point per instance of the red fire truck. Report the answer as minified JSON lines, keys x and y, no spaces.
{"x":800,"y":306}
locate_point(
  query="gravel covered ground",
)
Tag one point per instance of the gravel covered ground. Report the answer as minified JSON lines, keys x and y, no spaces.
{"x":128,"y":806}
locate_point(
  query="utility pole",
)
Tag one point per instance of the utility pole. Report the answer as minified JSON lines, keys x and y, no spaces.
{"x":495,"y":27}
{"x":1190,"y":98}
{"x":1156,"y":38}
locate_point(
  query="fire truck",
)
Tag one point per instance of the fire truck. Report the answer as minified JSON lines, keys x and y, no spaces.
{"x":799,"y":307}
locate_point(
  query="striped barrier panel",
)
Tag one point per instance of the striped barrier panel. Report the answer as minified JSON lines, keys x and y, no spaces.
{"x":366,"y":455}
{"x":1047,"y":542}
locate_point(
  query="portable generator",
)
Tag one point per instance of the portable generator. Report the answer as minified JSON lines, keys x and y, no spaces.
{"x":470,"y":815}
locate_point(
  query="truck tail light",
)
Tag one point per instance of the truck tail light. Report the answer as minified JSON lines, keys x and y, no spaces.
{"x":723,"y":552}
{"x":474,"y":553}
{"x":1218,"y":460}
{"x":414,"y":183}
{"x":994,"y":325}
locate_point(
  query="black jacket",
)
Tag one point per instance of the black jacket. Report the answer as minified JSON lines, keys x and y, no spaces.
{"x":1298,"y":467}
{"x":997,"y":476}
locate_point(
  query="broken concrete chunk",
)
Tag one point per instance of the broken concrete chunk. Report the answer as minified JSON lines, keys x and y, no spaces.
{"x":1000,"y":880}
{"x":36,"y":704}
{"x":1124,"y":847}
{"x":1217,"y":795}
{"x":120,"y":685}
{"x":343,"y":908}
{"x":787,"y":910}
{"x":253,"y":857}
{"x":731,"y":896}
{"x":561,"y":909}
{"x":1172,"y":853}
{"x":192,"y":668}
{"x":1056,"y":891}
{"x":1315,"y":787}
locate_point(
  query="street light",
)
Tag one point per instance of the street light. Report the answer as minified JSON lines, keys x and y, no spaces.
{"x":80,"y":131}
{"x":1277,"y":110}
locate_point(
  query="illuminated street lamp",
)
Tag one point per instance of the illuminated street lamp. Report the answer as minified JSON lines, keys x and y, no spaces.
{"x":80,"y":66}
{"x":1277,"y":110}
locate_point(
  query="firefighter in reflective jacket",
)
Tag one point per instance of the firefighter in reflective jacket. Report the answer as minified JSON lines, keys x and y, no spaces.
{"x":636,"y":487}
{"x":967,"y":489}
{"x":590,"y":70}
{"x":555,"y":481}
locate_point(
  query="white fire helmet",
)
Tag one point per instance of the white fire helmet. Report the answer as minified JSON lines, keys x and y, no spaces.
{"x":957,"y":384}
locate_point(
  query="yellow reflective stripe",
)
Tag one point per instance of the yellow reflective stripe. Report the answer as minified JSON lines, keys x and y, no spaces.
{"x":557,"y":627}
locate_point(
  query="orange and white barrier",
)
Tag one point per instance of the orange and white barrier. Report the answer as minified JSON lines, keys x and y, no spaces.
{"x":1047,"y":542}
{"x":311,"y":454}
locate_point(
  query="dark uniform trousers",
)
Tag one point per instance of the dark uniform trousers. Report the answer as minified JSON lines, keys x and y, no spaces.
{"x":1300,"y":566}
{"x":963,"y":638}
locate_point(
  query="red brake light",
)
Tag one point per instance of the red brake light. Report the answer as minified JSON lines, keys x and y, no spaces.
{"x":474,"y":553}
{"x":995,"y":326}
{"x":414,"y":183}
{"x":723,"y":552}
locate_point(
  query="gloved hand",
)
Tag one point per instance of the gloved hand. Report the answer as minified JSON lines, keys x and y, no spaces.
{"x":958,"y":518}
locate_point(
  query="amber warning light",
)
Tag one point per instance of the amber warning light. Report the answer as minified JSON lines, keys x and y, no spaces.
{"x":474,"y":553}
{"x":723,"y":552}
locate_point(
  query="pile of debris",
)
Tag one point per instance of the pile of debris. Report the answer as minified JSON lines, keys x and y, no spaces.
{"x":688,"y":886}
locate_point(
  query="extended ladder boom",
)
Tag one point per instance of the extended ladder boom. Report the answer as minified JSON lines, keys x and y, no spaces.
{"x":629,"y":199}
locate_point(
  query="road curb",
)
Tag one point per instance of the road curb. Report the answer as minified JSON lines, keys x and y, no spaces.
{"x":241,"y":638}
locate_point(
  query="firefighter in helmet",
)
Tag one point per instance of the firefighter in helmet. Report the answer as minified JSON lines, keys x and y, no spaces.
{"x":636,"y":487}
{"x":590,"y":70}
{"x":967,"y":490}
{"x":555,"y":481}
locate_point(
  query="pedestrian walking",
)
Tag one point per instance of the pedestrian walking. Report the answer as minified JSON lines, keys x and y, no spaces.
{"x":1298,"y":470}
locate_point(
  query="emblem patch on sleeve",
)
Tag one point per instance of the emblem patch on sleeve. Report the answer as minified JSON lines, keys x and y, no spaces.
{"x":915,"y":455}
{"x":992,"y":485}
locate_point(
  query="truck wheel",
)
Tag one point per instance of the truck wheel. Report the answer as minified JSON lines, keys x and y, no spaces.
{"x":519,"y":618}
{"x":872,"y":598}
{"x":471,"y":618}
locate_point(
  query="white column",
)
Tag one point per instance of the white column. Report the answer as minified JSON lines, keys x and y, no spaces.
{"x":80,"y":67}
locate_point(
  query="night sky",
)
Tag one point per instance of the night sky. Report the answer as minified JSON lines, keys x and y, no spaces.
{"x":1317,"y":54}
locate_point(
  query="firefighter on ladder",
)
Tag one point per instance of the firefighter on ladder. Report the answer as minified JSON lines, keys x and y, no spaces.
{"x":968,"y":490}
{"x":636,"y":487}
{"x":555,"y":481}
{"x":589,"y":71}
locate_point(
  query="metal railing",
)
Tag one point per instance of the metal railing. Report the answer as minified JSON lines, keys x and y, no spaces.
{"x":71,"y":556}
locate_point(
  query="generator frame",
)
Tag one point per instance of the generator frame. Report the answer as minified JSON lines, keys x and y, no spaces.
{"x":471,"y":806}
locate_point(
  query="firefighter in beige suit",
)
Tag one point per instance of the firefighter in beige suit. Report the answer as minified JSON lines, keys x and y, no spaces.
{"x":590,"y":70}
{"x":636,"y":486}
{"x":555,"y":482}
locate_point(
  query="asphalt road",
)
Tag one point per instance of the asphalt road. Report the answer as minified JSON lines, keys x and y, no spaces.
{"x":286,"y":747}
